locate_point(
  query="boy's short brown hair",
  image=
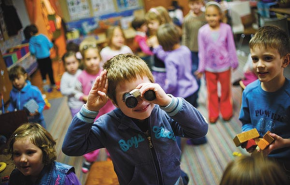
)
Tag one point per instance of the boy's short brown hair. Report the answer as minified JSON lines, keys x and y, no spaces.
{"x":273,"y":37}
{"x":16,"y":71}
{"x":124,"y":67}
{"x":168,"y":35}
{"x":39,"y":136}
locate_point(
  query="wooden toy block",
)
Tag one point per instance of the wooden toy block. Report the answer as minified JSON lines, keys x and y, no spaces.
{"x":268,"y":138}
{"x":266,"y":141}
{"x":251,"y":144}
{"x":245,"y":136}
{"x":263,"y":144}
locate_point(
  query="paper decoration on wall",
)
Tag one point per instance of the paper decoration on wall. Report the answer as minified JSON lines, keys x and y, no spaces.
{"x":127,"y":4}
{"x":78,"y":9}
{"x":101,"y":7}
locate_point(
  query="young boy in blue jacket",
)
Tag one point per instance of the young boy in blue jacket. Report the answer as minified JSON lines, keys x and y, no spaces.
{"x":140,"y":139}
{"x":265,"y":102}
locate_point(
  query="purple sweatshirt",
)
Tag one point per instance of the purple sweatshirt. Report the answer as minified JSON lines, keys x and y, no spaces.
{"x":217,"y":51}
{"x":179,"y":79}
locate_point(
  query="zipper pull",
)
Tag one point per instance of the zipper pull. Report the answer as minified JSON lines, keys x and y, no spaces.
{"x":150,"y":142}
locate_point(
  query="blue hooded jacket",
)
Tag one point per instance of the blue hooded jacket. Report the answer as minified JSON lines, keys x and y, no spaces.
{"x":19,"y":97}
{"x":151,"y":158}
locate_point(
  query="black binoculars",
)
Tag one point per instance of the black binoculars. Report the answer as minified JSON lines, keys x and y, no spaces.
{"x":130,"y":98}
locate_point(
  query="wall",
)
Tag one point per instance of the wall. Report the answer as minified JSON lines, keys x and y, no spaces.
{"x":22,"y":12}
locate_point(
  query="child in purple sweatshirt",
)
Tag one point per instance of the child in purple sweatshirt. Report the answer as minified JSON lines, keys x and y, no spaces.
{"x":179,"y":79}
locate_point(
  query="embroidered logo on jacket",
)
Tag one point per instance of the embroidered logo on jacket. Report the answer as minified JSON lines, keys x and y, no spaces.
{"x":57,"y":180}
{"x":161,"y":132}
{"x":134,"y":141}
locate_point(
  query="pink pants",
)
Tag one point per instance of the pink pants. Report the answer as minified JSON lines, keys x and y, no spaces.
{"x":225,"y":104}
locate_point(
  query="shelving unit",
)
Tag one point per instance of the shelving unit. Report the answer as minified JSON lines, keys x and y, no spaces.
{"x":28,"y":62}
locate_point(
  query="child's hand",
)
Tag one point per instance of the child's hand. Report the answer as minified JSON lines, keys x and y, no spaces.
{"x":279,"y":142}
{"x":162,"y":98}
{"x":97,"y":97}
{"x":153,"y":41}
{"x":198,"y":74}
{"x":85,"y":99}
{"x":34,"y":114}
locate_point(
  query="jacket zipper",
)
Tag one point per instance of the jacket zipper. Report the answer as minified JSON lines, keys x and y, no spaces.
{"x":153,"y":152}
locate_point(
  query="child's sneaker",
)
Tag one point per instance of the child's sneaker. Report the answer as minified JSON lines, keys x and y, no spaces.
{"x":86,"y":166}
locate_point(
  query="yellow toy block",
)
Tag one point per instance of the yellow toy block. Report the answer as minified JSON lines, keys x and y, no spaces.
{"x":245,"y":136}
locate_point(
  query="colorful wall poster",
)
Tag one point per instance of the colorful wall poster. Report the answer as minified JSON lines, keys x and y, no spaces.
{"x":78,"y":9}
{"x":101,"y":7}
{"x":127,"y":4}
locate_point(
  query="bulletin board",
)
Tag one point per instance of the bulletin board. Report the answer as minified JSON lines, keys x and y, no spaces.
{"x":101,"y":7}
{"x":78,"y":9}
{"x":127,"y":4}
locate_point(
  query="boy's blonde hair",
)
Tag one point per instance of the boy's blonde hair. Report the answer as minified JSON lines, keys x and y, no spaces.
{"x":273,"y":37}
{"x":39,"y":136}
{"x":110,"y":33}
{"x":124,"y":67}
{"x":253,"y":170}
{"x":168,"y":35}
{"x":158,"y":13}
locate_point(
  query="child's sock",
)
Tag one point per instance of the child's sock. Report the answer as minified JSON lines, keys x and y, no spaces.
{"x":86,"y":166}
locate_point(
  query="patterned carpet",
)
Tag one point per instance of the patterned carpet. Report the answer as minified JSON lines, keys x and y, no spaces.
{"x":58,"y":119}
{"x":204,"y":164}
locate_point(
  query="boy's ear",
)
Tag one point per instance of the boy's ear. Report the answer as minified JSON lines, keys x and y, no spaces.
{"x":25,"y":76}
{"x":286,"y":60}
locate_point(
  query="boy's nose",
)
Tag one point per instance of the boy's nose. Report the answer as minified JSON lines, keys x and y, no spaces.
{"x":140,"y":99}
{"x":260,"y":63}
{"x":23,"y":158}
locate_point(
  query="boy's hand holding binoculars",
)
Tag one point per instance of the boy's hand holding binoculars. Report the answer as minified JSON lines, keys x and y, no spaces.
{"x":97,"y":97}
{"x":161,"y":98}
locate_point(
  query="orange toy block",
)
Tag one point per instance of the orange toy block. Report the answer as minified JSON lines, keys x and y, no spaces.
{"x":266,"y":141}
{"x":268,"y":138}
{"x":263,"y":144}
{"x":245,"y":136}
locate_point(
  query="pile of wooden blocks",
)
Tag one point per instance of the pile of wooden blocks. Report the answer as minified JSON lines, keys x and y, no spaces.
{"x":250,"y":139}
